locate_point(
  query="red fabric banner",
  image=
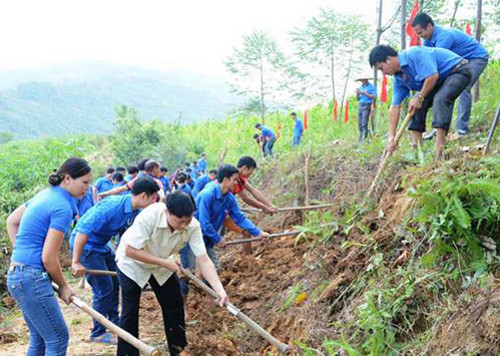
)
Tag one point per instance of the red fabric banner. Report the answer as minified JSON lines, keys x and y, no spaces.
{"x":468,"y":30}
{"x":414,"y":40}
{"x":383,"y":93}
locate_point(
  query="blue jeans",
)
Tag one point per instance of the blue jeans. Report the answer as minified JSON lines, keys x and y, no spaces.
{"x":268,"y":147}
{"x":188,"y":260}
{"x":32,"y":290}
{"x":477,"y":66}
{"x":105,"y":289}
{"x":296,"y":139}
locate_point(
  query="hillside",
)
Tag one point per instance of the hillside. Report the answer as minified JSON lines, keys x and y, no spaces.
{"x":81,"y":98}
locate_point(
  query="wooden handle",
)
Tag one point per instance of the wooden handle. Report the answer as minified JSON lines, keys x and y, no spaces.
{"x":272,"y":236}
{"x":385,"y":155}
{"x":98,"y":272}
{"x":125,"y":335}
{"x":281,"y":347}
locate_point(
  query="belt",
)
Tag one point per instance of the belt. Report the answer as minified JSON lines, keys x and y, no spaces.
{"x":461,"y":63}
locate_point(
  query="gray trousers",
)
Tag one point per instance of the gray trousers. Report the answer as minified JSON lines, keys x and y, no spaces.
{"x":364,"y":110}
{"x":477,"y":67}
{"x":442,"y":98}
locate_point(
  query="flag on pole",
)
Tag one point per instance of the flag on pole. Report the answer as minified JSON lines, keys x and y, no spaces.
{"x":383,"y":94}
{"x":305,"y":119}
{"x":346,"y":116}
{"x":414,"y":40}
{"x":468,"y":30}
{"x":335,"y":111}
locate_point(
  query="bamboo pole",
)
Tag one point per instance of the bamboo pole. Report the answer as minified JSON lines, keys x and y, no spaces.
{"x":281,"y":347}
{"x":492,"y":130}
{"x":386,"y":155}
{"x":289,"y":208}
{"x":122,"y":334}
{"x":272,"y":236}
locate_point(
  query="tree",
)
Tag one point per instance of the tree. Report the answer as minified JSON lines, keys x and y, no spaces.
{"x":257,"y":67}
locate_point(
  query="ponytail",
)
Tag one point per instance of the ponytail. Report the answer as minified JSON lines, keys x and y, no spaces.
{"x":74,"y":166}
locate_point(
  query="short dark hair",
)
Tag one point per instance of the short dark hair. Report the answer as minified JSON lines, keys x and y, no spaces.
{"x":76,"y":167}
{"x":145,"y":185}
{"x":117,"y":176}
{"x":151,"y":165}
{"x":213,"y":171}
{"x":423,"y":20}
{"x":141,"y":163}
{"x":180,"y":204}
{"x":181,"y":177}
{"x":247,"y":161}
{"x":164,"y":169}
{"x":132,"y":169}
{"x":110,"y":170}
{"x":120,"y":169}
{"x":380,"y":53}
{"x":226,"y":171}
{"x":293,"y":114}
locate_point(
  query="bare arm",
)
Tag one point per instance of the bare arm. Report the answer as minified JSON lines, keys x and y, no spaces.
{"x":208,"y":270}
{"x":145,"y":257}
{"x":13,"y":222}
{"x":50,"y":260}
{"x":76,"y":265}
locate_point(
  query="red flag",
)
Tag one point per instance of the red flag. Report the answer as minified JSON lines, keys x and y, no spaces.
{"x":468,"y":30}
{"x":346,"y":116}
{"x":305,"y":120}
{"x":383,"y":94}
{"x":335,"y":111}
{"x":414,"y":40}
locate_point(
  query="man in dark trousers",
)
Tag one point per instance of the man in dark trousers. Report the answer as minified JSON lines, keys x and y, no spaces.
{"x":438,"y":76}
{"x":366,"y":95}
{"x":466,"y":47}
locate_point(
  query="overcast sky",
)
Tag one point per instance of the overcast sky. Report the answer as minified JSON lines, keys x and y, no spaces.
{"x":165,"y":34}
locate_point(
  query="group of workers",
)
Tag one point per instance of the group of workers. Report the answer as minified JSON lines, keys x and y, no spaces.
{"x":152,"y":217}
{"x":445,"y":68}
{"x":146,"y":225}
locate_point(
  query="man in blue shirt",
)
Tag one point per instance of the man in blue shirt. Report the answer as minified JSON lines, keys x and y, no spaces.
{"x":89,"y":243}
{"x":202,"y":182}
{"x":438,"y":75}
{"x":202,"y":163}
{"x":466,"y":47}
{"x":105,"y":183}
{"x":269,"y":139}
{"x":213,"y":205}
{"x":365,"y":94}
{"x":164,"y":180}
{"x":297,"y":130}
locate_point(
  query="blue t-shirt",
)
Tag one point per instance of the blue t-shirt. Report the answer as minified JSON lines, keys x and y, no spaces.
{"x":52,"y":208}
{"x":103,"y":184}
{"x":212,"y":207}
{"x":299,"y":128}
{"x":267,"y":132}
{"x":108,"y":218}
{"x":418,"y":63}
{"x":200,"y":184}
{"x":458,"y":42}
{"x":368,"y":88}
{"x":86,"y":202}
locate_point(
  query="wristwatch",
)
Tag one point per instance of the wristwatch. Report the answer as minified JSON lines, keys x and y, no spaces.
{"x":420,"y":97}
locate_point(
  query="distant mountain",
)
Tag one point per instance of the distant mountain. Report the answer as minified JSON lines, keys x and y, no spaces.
{"x":81,"y":98}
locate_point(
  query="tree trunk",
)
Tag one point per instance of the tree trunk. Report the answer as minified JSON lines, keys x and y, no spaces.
{"x":262,"y":107}
{"x":404,"y":6}
{"x":332,"y":74}
{"x":475,"y":92}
